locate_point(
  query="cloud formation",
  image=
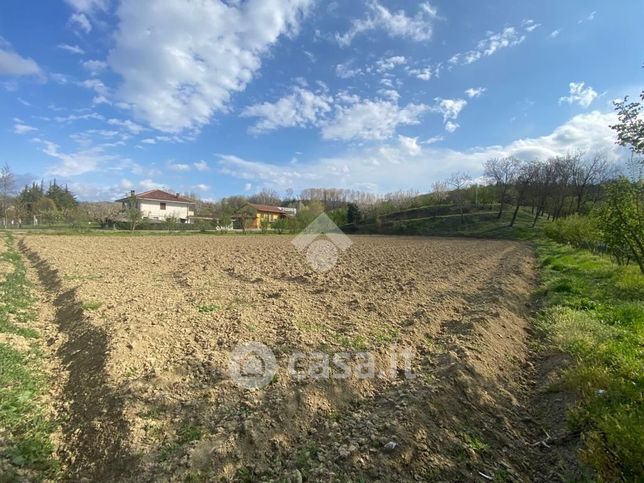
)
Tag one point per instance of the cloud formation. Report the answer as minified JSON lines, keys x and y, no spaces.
{"x":175,"y":81}
{"x":579,"y":94}
{"x":404,"y":163}
{"x":396,"y":24}
{"x":12,"y":64}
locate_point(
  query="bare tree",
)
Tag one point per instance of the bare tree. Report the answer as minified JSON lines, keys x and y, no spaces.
{"x":586,"y":172}
{"x":502,"y":172}
{"x":458,"y":182}
{"x":439,"y":190}
{"x":7,"y":189}
{"x":266,"y":197}
{"x":526,"y":175}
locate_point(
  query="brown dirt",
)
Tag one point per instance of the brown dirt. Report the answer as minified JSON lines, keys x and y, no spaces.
{"x":146,"y":326}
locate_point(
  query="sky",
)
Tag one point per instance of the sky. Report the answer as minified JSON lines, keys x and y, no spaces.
{"x":221,"y":97}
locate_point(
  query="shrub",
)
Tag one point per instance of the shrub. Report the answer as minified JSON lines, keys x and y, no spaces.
{"x":622,"y":220}
{"x":576,"y":230}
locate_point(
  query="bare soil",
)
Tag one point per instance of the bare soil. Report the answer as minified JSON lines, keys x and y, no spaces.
{"x":143,"y":328}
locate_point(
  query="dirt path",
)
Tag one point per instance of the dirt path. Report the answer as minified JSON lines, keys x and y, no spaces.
{"x":148,"y":324}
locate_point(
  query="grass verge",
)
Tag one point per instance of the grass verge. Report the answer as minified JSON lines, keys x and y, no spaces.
{"x":594,"y":311}
{"x":26,"y":451}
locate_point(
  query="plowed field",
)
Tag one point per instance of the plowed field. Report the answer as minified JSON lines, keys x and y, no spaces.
{"x":143,"y":327}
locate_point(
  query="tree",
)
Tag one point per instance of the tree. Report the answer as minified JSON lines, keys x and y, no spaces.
{"x":502,"y":172}
{"x":525,"y":176}
{"x":585,"y":172}
{"x":45,"y":210}
{"x":622,"y":219}
{"x":264,"y":224}
{"x":7,"y":189}
{"x":224,"y":221}
{"x":171,"y":222}
{"x":630,"y":128}
{"x":280,"y":225}
{"x":245,"y":214}
{"x":266,"y":197}
{"x":353,"y":213}
{"x":63,"y":198}
{"x":133,"y":212}
{"x":458,"y":182}
{"x":439,"y":191}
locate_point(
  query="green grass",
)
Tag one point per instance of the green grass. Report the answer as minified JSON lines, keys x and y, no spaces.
{"x":26,"y":446}
{"x":477,"y":225}
{"x":594,"y":311}
{"x":207,"y":308}
{"x":92,"y":305}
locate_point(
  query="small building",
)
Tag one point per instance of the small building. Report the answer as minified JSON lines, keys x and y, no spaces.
{"x":263,"y":212}
{"x":157,"y":205}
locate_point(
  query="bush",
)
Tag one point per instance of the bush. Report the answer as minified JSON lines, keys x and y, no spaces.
{"x":578,"y":231}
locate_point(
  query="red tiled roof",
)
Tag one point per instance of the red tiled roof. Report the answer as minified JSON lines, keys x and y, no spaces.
{"x":159,"y":195}
{"x":267,"y":208}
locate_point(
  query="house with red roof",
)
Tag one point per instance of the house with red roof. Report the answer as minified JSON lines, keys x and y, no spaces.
{"x":157,"y":205}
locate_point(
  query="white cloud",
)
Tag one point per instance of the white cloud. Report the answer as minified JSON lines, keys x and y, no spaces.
{"x":88,"y":6}
{"x":579,"y":94}
{"x":74,"y":49}
{"x":175,"y":81}
{"x":344,"y":116}
{"x":588,"y":18}
{"x":493,"y":41}
{"x":371,"y":120}
{"x":21,"y":128}
{"x":345,"y":71}
{"x":389,"y":63}
{"x":201,"y":187}
{"x":181,"y":167}
{"x":81,"y":21}
{"x":13,"y":64}
{"x":409,"y":144}
{"x":530,"y":25}
{"x":201,"y":165}
{"x":451,"y":126}
{"x":76,"y":163}
{"x":426,"y":73}
{"x":396,"y":24}
{"x":95,"y":66}
{"x":450,"y":109}
{"x":474,"y":92}
{"x":133,"y":127}
{"x":555,"y":33}
{"x":84,"y":10}
{"x":301,"y":108}
{"x":390,"y":166}
{"x":79,"y":117}
{"x":148,"y":184}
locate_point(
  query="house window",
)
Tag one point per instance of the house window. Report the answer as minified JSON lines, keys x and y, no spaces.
{"x":162,"y":206}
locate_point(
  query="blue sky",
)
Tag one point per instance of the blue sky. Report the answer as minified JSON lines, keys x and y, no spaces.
{"x":222,"y":97}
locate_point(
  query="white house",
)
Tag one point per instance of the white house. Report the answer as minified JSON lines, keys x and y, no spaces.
{"x":157,"y":205}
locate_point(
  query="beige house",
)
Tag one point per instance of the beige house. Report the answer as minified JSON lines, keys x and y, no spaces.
{"x":264,"y":212}
{"x":157,"y":205}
